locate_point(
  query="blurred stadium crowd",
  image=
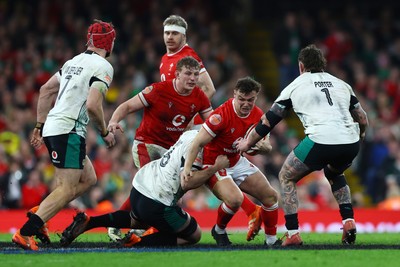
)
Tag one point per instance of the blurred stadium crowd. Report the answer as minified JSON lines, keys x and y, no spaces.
{"x":362,"y":46}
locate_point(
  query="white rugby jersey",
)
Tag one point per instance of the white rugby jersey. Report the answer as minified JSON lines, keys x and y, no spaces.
{"x":160,"y":179}
{"x":75,"y":78}
{"x":322,"y":102}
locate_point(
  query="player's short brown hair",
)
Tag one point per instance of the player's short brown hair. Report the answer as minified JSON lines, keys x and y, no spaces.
{"x":247,"y":85}
{"x":188,"y":62}
{"x":312,"y":59}
{"x":176,"y":20}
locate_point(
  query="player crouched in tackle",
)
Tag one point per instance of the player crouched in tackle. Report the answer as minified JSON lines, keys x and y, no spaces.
{"x":157,"y":187}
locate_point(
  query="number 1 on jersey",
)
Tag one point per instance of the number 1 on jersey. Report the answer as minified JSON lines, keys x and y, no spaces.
{"x":328,"y":96}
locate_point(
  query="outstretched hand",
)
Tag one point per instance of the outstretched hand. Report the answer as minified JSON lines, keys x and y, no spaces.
{"x":109,"y":139}
{"x":113,"y":127}
{"x":36,"y":139}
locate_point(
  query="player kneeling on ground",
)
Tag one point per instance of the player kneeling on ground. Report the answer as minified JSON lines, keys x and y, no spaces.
{"x":157,"y":187}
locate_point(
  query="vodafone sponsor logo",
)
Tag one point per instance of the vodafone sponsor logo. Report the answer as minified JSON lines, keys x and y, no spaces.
{"x":178,"y":120}
{"x":54,"y":156}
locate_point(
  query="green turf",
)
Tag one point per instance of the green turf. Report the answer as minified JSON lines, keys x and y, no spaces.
{"x":206,"y":258}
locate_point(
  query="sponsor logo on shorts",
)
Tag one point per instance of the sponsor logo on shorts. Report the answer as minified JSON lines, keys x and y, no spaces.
{"x":54,"y":155}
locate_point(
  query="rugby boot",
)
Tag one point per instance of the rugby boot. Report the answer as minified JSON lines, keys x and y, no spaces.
{"x":130,"y":240}
{"x":221,"y":239}
{"x":255,"y":221}
{"x":43,"y":232}
{"x":77,"y":227}
{"x":25,"y":242}
{"x":294,"y":240}
{"x":349,"y":232}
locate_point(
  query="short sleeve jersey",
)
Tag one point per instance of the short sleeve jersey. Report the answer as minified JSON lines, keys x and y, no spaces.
{"x":322,"y":103}
{"x":160,"y":179}
{"x":76,"y":77}
{"x":167,"y":113}
{"x":227,"y":127}
{"x":169,"y":61}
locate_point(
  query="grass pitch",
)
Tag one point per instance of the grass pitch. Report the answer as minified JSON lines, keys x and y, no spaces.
{"x":324,"y":250}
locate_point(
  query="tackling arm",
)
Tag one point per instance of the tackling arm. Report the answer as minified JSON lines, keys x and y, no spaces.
{"x":266,"y":124}
{"x":201,"y":139}
{"x":198,"y":178}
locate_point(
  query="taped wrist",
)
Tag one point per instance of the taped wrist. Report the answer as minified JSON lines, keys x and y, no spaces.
{"x":105,"y":134}
{"x":39,"y":126}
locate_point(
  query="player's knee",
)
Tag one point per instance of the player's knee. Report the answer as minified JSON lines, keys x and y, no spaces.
{"x":234,"y":201}
{"x":336,"y":180}
{"x":270,"y":199}
{"x":191,"y":233}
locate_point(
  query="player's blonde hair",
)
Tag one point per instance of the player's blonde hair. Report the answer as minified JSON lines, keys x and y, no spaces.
{"x":176,"y":20}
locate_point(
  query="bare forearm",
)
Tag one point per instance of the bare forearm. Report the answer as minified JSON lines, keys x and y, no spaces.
{"x":360,"y":116}
{"x":199,"y":178}
{"x":96,"y":116}
{"x":43,"y":107}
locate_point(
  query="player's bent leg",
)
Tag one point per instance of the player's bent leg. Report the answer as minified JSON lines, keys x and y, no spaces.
{"x":191,"y":234}
{"x":258,"y":186}
{"x":65,"y":192}
{"x":227,"y":191}
{"x":88,"y":178}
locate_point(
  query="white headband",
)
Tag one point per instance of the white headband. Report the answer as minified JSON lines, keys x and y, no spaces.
{"x":174,"y":28}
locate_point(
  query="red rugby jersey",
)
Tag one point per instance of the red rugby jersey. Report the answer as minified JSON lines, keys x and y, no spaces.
{"x":227,"y":127}
{"x":167,"y":113}
{"x":169,"y":61}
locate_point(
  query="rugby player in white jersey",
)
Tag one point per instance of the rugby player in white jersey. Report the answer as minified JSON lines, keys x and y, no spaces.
{"x":157,"y":187}
{"x":335,"y":124}
{"x":77,"y":89}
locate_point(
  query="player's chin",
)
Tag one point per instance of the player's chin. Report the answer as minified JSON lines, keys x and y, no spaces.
{"x":245,"y":111}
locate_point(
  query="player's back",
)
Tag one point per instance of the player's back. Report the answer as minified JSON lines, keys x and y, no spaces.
{"x":322,"y":103}
{"x":75,"y":79}
{"x":160,"y":179}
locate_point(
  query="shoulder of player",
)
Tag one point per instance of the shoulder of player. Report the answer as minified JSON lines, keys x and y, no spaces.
{"x":257,"y":110}
{"x":164,"y":85}
{"x":190,"y":52}
{"x":97,"y":62}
